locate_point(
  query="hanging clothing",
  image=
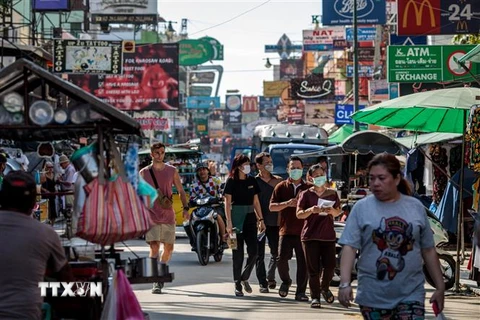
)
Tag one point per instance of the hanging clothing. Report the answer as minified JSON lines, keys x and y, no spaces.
{"x":440,"y":158}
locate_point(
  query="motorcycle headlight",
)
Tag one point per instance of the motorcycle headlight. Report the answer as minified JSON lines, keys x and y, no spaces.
{"x":202,"y":201}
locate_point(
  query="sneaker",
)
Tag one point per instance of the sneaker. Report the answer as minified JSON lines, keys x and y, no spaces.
{"x":157,"y":288}
{"x":264,"y":289}
{"x":272,"y":284}
{"x":247,"y":287}
{"x":238,"y":289}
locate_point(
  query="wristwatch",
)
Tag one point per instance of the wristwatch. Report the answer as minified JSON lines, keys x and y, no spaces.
{"x":344,"y":285}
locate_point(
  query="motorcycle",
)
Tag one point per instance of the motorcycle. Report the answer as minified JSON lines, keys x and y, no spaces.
{"x":440,"y":236}
{"x":203,"y":231}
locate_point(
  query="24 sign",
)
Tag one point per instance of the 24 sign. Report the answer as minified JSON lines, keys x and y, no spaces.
{"x":423,"y":17}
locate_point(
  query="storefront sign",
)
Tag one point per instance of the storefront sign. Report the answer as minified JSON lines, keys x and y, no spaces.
{"x":343,"y":113}
{"x":363,"y":71}
{"x":87,"y":56}
{"x":363,"y":34}
{"x":421,"y":17}
{"x":313,"y":87}
{"x":428,"y":63}
{"x":291,"y":68}
{"x":124,"y":11}
{"x":156,"y":124}
{"x":321,"y":39}
{"x":340,"y":12}
{"x":194,"y":52}
{"x":250,"y":104}
{"x":203,"y":103}
{"x":273,"y":89}
{"x":50,"y":5}
{"x":364,"y":54}
{"x":268,"y":106}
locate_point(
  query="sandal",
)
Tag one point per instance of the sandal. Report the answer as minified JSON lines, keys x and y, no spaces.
{"x":301,"y":297}
{"x":315,"y":304}
{"x":283,"y":291}
{"x":328,"y":296}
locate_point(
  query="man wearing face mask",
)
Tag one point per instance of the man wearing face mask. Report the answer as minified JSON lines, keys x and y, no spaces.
{"x":284,"y":200}
{"x":267,"y":182}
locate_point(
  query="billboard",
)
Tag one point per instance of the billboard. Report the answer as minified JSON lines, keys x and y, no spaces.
{"x":203,"y":102}
{"x":428,"y":63}
{"x":50,"y":5}
{"x":340,"y":12}
{"x":313,"y":87}
{"x":431,"y":17}
{"x":291,"y":68}
{"x":124,"y":11}
{"x":377,"y":90}
{"x":319,"y":113}
{"x":268,"y":106}
{"x":343,"y":113}
{"x":149,"y":80}
{"x":273,"y":89}
{"x":363,"y":34}
{"x":321,"y":39}
{"x":87,"y":56}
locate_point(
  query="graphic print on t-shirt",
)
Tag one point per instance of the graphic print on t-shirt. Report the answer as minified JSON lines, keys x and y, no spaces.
{"x":394,"y":239}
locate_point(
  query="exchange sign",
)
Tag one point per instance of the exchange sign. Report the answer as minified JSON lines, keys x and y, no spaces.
{"x":421,"y":17}
{"x":428,"y":63}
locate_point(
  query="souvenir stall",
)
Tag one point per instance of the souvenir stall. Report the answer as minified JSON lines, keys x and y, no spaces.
{"x":37,"y":106}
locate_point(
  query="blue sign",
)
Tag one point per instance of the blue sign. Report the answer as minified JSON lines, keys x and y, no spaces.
{"x":317,"y":47}
{"x":393,"y":90}
{"x":363,"y":34}
{"x":407,"y":41}
{"x":363,"y":71}
{"x":51,"y":5}
{"x":343,"y":113}
{"x":203,"y":103}
{"x":340,"y":12}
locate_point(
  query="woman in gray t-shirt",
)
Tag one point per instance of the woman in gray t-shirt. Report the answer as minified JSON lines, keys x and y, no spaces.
{"x":391,"y":231}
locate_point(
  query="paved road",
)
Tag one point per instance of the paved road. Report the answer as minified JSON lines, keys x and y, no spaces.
{"x":207,"y":292}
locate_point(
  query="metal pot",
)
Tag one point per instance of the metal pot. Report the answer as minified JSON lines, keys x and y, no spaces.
{"x":85,"y":161}
{"x":146,"y":267}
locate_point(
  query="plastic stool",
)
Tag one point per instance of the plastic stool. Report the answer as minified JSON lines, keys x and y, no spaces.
{"x":46,"y":311}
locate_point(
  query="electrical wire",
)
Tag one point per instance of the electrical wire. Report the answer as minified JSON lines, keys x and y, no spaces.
{"x":233,"y":18}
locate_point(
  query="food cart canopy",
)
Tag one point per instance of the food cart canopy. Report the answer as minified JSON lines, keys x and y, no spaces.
{"x":34,"y":83}
{"x":364,"y":142}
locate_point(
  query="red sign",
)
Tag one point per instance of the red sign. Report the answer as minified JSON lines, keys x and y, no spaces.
{"x":149,"y":80}
{"x":250,"y":104}
{"x":418,"y":17}
{"x":156,"y":124}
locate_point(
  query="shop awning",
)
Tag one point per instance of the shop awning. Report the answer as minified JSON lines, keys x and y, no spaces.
{"x":343,"y":133}
{"x":34,"y":83}
{"x":473,"y":56}
{"x":427,"y":138}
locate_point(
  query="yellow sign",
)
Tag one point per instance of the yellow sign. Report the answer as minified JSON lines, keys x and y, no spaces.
{"x":273,"y":89}
{"x":418,"y":10}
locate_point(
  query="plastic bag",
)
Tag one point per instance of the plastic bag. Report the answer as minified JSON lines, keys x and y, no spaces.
{"x":110,"y":307}
{"x":130,"y":162}
{"x":128,"y":306}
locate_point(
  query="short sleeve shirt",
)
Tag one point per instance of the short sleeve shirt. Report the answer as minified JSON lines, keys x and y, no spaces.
{"x":317,"y":227}
{"x":242,"y":191}
{"x":29,"y":248}
{"x":390,"y":237}
{"x":210,"y":187}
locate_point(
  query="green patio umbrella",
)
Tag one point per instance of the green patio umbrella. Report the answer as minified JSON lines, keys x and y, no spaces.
{"x":473,"y":55}
{"x":343,"y":133}
{"x":444,"y":110}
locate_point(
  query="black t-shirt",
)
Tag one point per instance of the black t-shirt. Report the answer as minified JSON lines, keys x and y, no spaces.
{"x":242,"y":191}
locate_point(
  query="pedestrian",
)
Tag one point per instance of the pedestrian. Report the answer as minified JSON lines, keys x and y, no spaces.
{"x":162,"y":176}
{"x":67,"y":180}
{"x":319,"y":205}
{"x":243,"y":211}
{"x":29,"y":248}
{"x":267,"y":182}
{"x":48,"y":186}
{"x":284,"y":200}
{"x":223,"y":171}
{"x":391,"y":231}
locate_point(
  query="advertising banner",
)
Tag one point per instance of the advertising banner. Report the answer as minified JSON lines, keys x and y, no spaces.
{"x":124,"y":11}
{"x":268,"y":106}
{"x":321,"y":39}
{"x":393,"y":90}
{"x":51,"y":5}
{"x":273,"y":89}
{"x":291,"y":68}
{"x":319,"y":113}
{"x":250,"y":104}
{"x":87,"y":56}
{"x":428,"y":63}
{"x":195,"y":51}
{"x":203,"y":102}
{"x":233,"y":104}
{"x":431,"y":17}
{"x":363,"y":71}
{"x":156,"y":124}
{"x":340,"y":12}
{"x":149,"y":80}
{"x":364,"y":54}
{"x":377,"y":90}
{"x":363,"y":34}
{"x":313,"y":87}
{"x":340,"y":44}
{"x":343,"y":113}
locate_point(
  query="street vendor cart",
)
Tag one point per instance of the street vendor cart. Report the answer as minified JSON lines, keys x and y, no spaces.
{"x":37,"y":106}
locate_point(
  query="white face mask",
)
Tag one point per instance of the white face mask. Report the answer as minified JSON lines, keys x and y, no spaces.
{"x":269,"y":167}
{"x":245,"y":169}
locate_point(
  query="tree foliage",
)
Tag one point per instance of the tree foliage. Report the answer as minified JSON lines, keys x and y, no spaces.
{"x":466,"y":38}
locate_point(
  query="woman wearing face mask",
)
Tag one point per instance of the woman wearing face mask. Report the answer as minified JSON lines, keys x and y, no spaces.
{"x":319,"y":206}
{"x":243,"y":212}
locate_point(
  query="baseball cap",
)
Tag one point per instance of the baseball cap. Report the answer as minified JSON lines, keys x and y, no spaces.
{"x":17,"y":185}
{"x":63,"y":158}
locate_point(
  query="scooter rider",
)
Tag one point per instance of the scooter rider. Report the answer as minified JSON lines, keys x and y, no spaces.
{"x":206,"y":184}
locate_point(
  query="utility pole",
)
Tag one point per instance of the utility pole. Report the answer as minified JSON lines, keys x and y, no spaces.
{"x":356,"y":126}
